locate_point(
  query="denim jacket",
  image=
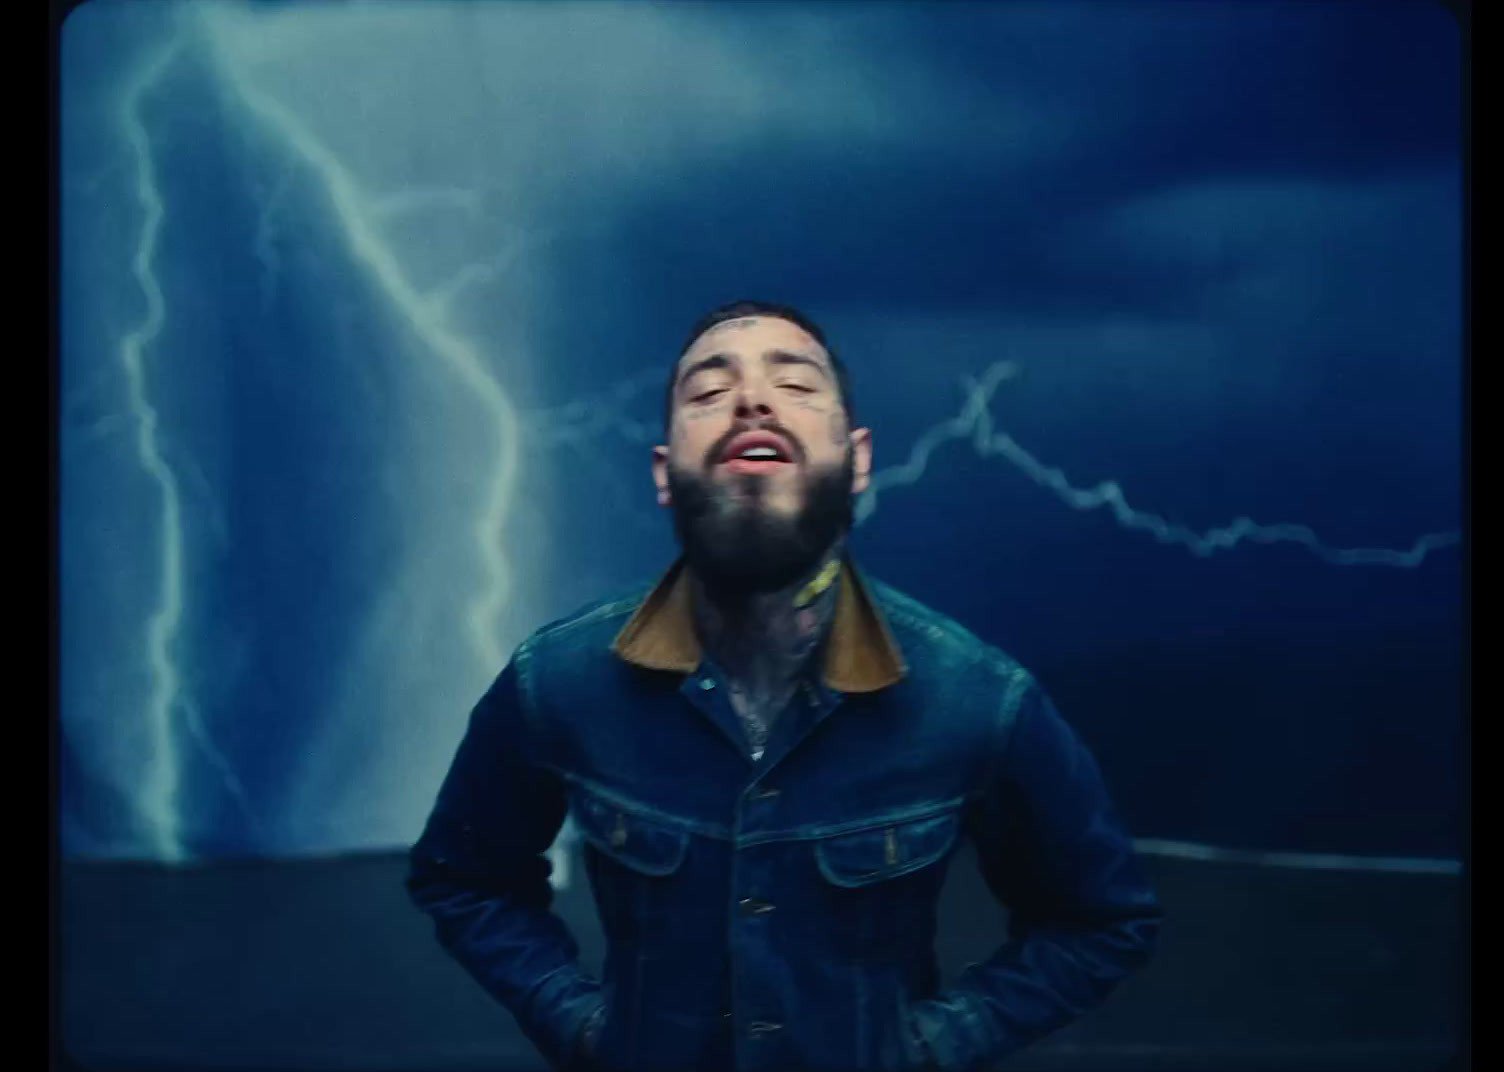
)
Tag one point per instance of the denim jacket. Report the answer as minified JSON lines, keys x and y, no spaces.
{"x":779,"y":914}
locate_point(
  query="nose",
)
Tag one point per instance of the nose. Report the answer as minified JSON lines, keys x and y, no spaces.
{"x":752,"y":402}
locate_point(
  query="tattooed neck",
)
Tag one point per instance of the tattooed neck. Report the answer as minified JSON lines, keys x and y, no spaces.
{"x":763,"y":642}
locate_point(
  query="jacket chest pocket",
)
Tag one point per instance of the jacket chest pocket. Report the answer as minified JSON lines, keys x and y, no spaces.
{"x":879,"y":885}
{"x":632,"y":860}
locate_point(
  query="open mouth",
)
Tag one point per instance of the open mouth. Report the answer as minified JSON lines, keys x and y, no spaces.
{"x":756,"y":452}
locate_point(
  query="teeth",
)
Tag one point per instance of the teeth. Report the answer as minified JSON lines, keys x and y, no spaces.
{"x":759,"y":453}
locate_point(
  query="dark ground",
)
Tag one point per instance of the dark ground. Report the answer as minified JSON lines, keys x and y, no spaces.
{"x":324,"y":965}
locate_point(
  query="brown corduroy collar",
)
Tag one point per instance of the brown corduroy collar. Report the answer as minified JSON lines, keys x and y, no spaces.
{"x":861,"y":655}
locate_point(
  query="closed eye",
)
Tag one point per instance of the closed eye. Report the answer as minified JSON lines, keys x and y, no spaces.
{"x":798,"y":387}
{"x":708,"y":395}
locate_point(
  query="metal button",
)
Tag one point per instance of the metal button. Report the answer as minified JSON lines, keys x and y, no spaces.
{"x":707,"y":683}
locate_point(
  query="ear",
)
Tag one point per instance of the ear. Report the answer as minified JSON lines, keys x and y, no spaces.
{"x":861,"y":459}
{"x":660,"y":474}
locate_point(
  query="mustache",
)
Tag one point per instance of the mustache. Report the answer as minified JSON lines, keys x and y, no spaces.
{"x":719,"y":446}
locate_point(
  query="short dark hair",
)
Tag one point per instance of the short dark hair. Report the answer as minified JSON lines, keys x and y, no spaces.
{"x":740,"y":309}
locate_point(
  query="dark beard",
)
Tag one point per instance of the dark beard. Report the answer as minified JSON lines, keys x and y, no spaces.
{"x":737,"y":548}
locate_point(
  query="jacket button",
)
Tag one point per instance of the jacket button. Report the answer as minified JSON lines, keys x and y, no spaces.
{"x":707,"y":683}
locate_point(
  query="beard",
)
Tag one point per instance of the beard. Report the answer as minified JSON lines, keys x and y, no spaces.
{"x":739,"y":547}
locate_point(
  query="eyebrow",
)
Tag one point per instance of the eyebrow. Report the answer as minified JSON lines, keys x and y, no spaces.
{"x":784,"y":357}
{"x":771,"y":357}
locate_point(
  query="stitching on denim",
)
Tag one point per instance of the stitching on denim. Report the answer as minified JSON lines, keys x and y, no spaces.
{"x":675,"y":823}
{"x":854,"y":826}
{"x":591,"y":616}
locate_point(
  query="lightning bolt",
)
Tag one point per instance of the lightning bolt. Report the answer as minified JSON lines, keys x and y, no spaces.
{"x":975,"y":424}
{"x":160,"y":794}
{"x":359,"y":216}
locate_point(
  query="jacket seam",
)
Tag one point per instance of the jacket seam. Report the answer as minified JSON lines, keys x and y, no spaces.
{"x":526,"y":697}
{"x":854,"y":826}
{"x":614,"y":609}
{"x":677,"y":823}
{"x":1021,"y":685}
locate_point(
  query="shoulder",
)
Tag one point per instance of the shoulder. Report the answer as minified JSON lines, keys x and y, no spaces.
{"x":918,"y":625}
{"x":581,"y":627}
{"x":935,"y":646}
{"x":570,"y":660}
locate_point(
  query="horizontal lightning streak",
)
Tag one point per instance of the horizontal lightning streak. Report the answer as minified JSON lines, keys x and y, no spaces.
{"x":975,"y":423}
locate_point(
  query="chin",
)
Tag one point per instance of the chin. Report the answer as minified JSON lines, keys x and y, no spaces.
{"x":777,"y":508}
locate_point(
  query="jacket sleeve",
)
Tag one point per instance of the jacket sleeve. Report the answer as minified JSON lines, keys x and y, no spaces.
{"x":1081,"y":915}
{"x":480,"y":872}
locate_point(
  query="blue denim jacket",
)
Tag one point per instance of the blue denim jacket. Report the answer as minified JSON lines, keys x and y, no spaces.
{"x":779,"y":914}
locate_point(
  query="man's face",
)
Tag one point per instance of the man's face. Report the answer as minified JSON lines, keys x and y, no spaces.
{"x":760,"y":468}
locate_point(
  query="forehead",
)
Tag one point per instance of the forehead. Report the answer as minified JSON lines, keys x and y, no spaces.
{"x":752,"y":336}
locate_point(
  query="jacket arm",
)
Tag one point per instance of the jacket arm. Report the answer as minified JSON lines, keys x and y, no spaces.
{"x":479,"y":871}
{"x":1081,"y":916}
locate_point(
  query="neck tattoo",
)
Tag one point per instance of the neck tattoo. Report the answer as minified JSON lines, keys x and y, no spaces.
{"x":765,"y":644}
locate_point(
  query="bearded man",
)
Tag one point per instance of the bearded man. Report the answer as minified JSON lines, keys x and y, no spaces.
{"x":772,"y":759}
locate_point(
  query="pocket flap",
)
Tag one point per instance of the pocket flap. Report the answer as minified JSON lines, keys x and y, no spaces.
{"x":627,"y":836}
{"x":885,"y":852}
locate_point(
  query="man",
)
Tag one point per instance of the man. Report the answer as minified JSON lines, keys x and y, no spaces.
{"x":771,"y":760}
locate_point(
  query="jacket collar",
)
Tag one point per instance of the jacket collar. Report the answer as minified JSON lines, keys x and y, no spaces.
{"x":860,"y":656}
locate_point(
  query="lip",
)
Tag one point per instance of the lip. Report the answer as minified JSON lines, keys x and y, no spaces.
{"x":758,"y":439}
